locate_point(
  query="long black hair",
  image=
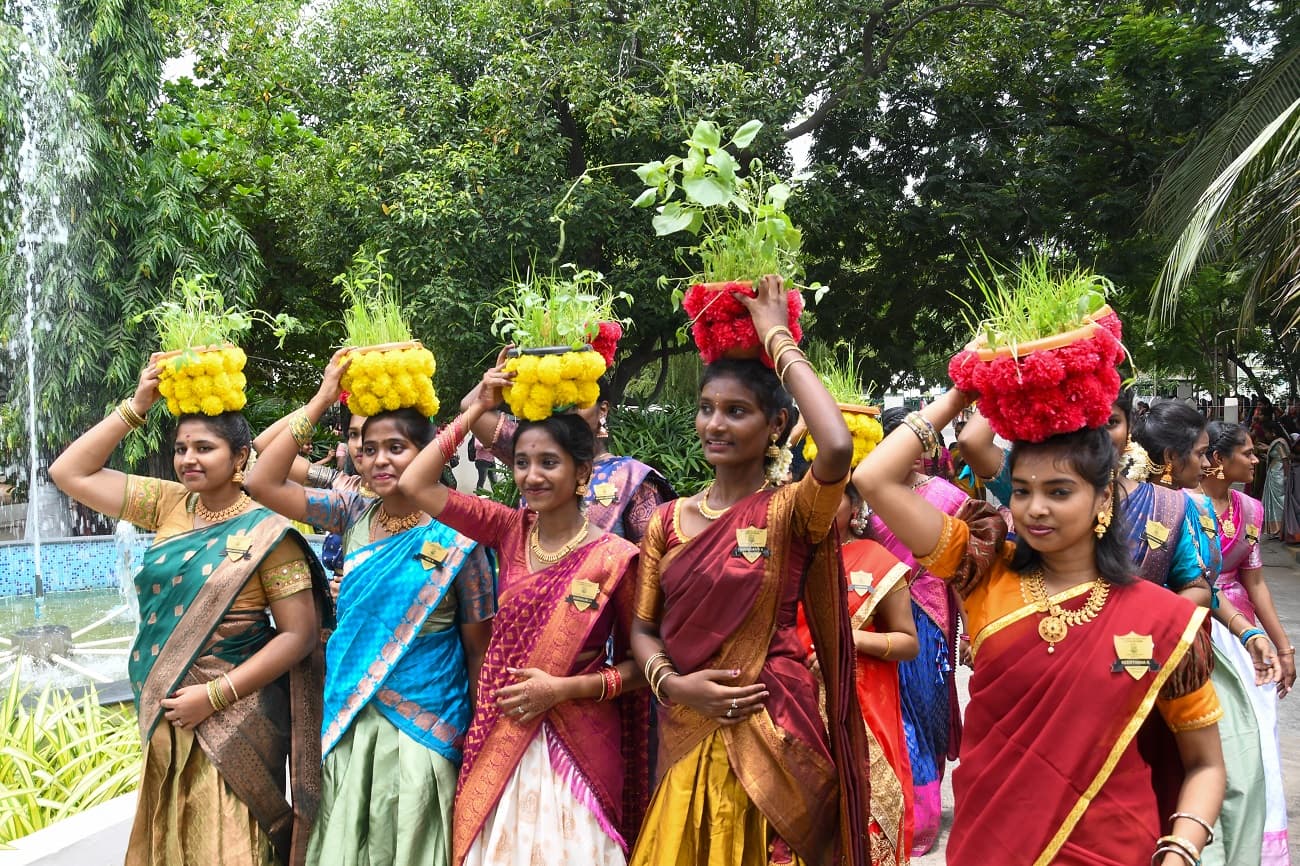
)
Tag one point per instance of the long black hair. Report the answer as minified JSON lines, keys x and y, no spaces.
{"x":1224,"y":437}
{"x":760,"y":381}
{"x":1169,"y":427}
{"x":410,"y":423}
{"x":230,"y":427}
{"x":1090,"y":454}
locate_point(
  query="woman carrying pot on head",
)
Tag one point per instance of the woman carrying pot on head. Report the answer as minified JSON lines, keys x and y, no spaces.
{"x":1072,"y":655}
{"x":1241,"y":580}
{"x":928,"y":686}
{"x":414,"y":615}
{"x":750,"y":770}
{"x":623,"y":491}
{"x":1175,"y":439}
{"x":555,"y":760}
{"x":218,"y":716}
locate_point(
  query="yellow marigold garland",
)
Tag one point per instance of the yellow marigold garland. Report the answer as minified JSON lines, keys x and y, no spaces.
{"x":546,"y":383}
{"x":389,"y":379}
{"x":867,"y":434}
{"x":208,"y":381}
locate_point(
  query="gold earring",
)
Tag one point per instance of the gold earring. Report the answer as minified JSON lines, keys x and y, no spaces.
{"x":1167,"y":473}
{"x":1217,"y":472}
{"x":581,"y":490}
{"x":772,"y":451}
{"x":1103,"y":521}
{"x":238,"y":477}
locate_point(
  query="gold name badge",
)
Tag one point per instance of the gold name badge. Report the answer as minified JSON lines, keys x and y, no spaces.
{"x":1135,"y":654}
{"x":1252,"y":533}
{"x":432,"y":555}
{"x":583,"y":594}
{"x":861,"y":582}
{"x":605,"y":493}
{"x":751,"y":543}
{"x":1207,"y":523}
{"x":239,"y":546}
{"x":1157,"y":533}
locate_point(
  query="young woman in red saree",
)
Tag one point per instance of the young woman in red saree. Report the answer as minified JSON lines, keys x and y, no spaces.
{"x":884,"y":634}
{"x":751,"y":774}
{"x":1060,"y":761}
{"x":555,"y":758}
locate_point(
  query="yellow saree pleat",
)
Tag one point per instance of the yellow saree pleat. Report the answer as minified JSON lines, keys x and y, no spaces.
{"x":187,"y":814}
{"x":701,"y":791}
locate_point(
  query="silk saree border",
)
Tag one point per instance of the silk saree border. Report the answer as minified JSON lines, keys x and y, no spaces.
{"x":1125,"y":738}
{"x":879,"y":592}
{"x":1010,"y":619}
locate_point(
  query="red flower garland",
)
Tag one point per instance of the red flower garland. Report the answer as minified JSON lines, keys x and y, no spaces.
{"x":606,"y":341}
{"x":1049,"y":391}
{"x":721,"y":325}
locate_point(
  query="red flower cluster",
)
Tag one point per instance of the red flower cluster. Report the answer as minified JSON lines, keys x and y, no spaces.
{"x":722,"y":326}
{"x":1046,"y":392}
{"x":606,"y":342}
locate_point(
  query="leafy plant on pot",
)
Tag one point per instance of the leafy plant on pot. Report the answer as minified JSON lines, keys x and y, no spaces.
{"x":840,"y":376}
{"x":390,"y":370}
{"x":737,"y":216}
{"x":200,"y":367}
{"x":553,"y":320}
{"x":1044,"y":356}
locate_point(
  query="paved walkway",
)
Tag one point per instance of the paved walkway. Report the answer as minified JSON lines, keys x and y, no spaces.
{"x":1282,"y":574}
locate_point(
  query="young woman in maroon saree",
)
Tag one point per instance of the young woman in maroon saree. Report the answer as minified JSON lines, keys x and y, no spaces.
{"x":1072,"y":654}
{"x":555,"y":758}
{"x":751,"y":774}
{"x":884,"y":634}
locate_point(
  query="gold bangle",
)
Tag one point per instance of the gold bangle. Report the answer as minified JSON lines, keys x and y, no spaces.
{"x":1289,"y":651}
{"x":603,"y":687}
{"x":216,"y":697}
{"x":128,"y":415}
{"x":780,"y":351}
{"x":650,"y":661}
{"x":1185,"y":844}
{"x":799,"y":360}
{"x":301,"y":428}
{"x":1233,"y":617}
{"x":226,"y":677}
{"x":774,"y":330}
{"x":888,"y":646}
{"x":655,"y":690}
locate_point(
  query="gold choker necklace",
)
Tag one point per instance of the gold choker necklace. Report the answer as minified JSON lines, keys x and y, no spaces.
{"x":1054,"y":627}
{"x":396,"y":525}
{"x":210,"y":516}
{"x":712,"y":514}
{"x":541,"y":554}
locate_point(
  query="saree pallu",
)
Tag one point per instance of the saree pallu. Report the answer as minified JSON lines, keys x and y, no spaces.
{"x":873,"y":575}
{"x":1263,"y":812}
{"x":188,"y":636}
{"x":1045,"y":777}
{"x":547,"y":620}
{"x":1274,"y":488}
{"x":729,"y":599}
{"x":931,"y":714}
{"x":396,"y":704}
{"x":1161,"y":539}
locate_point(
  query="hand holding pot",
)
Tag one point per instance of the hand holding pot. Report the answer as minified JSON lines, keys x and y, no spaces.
{"x":768,"y":308}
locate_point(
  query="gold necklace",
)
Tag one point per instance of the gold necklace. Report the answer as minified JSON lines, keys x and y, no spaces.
{"x":1053,"y":627}
{"x":1229,"y":527}
{"x":396,"y":525}
{"x":711,"y":514}
{"x":549,"y":556}
{"x":210,"y":516}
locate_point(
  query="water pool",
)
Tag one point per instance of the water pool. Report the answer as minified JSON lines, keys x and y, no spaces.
{"x":101,"y":650}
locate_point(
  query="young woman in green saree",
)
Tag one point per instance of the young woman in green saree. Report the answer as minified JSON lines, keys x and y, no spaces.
{"x":225,"y":696}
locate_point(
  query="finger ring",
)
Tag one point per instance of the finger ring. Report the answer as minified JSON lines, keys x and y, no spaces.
{"x":730,"y":711}
{"x":521,"y":711}
{"x":733,"y":703}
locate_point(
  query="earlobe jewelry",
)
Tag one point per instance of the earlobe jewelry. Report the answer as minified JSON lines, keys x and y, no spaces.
{"x":581,"y":490}
{"x":1103,"y":521}
{"x":772,"y":451}
{"x":238,"y":477}
{"x":1216,"y":472}
{"x":1166,"y":473}
{"x":602,"y":432}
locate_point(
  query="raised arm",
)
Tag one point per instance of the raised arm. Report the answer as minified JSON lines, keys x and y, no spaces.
{"x":422,"y":480}
{"x":301,"y":466}
{"x":981,"y":453}
{"x":880,"y":477}
{"x":80,"y":471}
{"x":768,"y":308}
{"x":270,"y":481}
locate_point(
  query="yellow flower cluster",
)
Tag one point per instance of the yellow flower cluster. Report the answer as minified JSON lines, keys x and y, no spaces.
{"x":210,"y":381}
{"x":545,"y":383}
{"x":866,"y":431}
{"x":397,"y":378}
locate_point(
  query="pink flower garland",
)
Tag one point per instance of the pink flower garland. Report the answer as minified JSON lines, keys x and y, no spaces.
{"x":721,"y":325}
{"x":1049,"y":391}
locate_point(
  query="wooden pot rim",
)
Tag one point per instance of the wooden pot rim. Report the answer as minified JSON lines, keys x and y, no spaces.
{"x":386,"y":347}
{"x":546,"y":350}
{"x":1055,"y":341}
{"x":859,"y":409}
{"x":159,"y":357}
